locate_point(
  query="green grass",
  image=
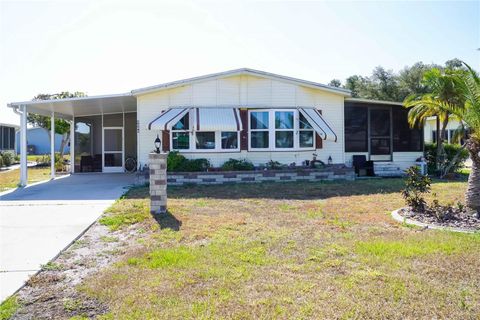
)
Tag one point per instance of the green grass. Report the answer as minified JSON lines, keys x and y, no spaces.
{"x":294,"y":250}
{"x":125,"y":213}
{"x":8,"y":308}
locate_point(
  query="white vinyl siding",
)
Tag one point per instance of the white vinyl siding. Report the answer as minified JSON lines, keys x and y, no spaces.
{"x":248,"y":92}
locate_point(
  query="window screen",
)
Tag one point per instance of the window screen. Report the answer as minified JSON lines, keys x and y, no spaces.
{"x":356,"y":129}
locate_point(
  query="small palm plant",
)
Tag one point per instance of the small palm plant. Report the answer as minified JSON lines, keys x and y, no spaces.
{"x":416,"y":185}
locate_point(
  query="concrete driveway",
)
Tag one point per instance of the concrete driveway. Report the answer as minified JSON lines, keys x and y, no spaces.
{"x":38,"y":221}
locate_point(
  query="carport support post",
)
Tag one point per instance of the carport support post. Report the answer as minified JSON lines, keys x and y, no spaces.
{"x":72,"y":146}
{"x":23,"y":147}
{"x":158,"y":182}
{"x":52,"y":146}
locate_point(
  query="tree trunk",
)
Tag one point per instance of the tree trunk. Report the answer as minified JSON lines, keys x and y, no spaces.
{"x":440,"y":151}
{"x":439,"y":143}
{"x":449,"y":166}
{"x":472,"y":196}
{"x":65,"y":138}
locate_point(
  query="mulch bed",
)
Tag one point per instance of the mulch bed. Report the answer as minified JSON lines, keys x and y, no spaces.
{"x":444,"y":217}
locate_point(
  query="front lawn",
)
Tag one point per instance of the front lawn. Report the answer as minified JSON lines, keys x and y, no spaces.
{"x":11,"y":179}
{"x":292,"y":250}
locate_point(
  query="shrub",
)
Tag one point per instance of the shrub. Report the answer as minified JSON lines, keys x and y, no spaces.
{"x":177,"y":162}
{"x":195,"y":165}
{"x":274,"y":165}
{"x":450,"y":150}
{"x":17,"y":158}
{"x":416,"y":185}
{"x":1,"y":161}
{"x":8,"y":157}
{"x":237,"y":165}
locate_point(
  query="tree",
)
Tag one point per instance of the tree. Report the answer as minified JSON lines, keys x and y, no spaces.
{"x":384,"y":85}
{"x":356,"y":84}
{"x":335,"y":83}
{"x":443,"y":92}
{"x":410,"y":80}
{"x":469,"y":89}
{"x":61,"y":126}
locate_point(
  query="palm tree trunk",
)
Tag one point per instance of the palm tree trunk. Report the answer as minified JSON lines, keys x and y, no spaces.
{"x":472,"y":196}
{"x":439,"y":143}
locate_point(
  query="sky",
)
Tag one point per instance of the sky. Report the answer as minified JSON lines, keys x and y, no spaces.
{"x":106,"y":47}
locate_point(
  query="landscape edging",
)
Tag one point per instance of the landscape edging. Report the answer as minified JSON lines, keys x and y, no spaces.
{"x":399,"y":218}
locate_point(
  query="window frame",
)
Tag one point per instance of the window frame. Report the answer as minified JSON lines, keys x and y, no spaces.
{"x":192,"y":141}
{"x":272,"y":131}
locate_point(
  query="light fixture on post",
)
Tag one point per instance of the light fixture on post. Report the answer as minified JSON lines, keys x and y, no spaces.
{"x":158,"y":144}
{"x":330,"y":160}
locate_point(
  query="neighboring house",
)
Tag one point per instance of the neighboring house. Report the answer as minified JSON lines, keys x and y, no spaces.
{"x":38,"y":141}
{"x":240,"y":114}
{"x":7,"y":137}
{"x":430,"y":130}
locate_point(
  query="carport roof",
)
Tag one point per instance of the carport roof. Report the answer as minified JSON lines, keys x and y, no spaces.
{"x":84,"y":106}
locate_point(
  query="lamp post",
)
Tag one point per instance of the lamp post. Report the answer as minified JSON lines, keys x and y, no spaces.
{"x":158,"y":144}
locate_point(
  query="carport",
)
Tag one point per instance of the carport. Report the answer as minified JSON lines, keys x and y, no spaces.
{"x":103,"y":131}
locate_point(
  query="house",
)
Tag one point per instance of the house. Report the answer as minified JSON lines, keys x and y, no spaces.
{"x":242,"y":113}
{"x":430,"y":130}
{"x":7,"y":137}
{"x":38,"y":141}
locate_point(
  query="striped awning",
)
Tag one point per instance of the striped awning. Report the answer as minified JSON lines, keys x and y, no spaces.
{"x":319,"y":124}
{"x":168,"y":119}
{"x":204,"y":119}
{"x":217,"y":119}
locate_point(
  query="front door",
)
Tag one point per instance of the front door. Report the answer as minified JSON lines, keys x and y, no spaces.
{"x":380,"y":137}
{"x":113,"y":155}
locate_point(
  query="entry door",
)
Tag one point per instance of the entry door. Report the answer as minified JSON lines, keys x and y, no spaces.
{"x":113,"y":155}
{"x":380,"y":137}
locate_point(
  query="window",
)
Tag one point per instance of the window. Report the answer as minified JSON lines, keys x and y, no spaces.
{"x":6,"y":137}
{"x":306,"y":133}
{"x":229,"y":140}
{"x":356,"y":129}
{"x":283,"y":129}
{"x":405,"y":138}
{"x":183,"y":139}
{"x":12,"y":138}
{"x":205,"y":140}
{"x":181,"y":134}
{"x":280,"y":130}
{"x":259,"y":127}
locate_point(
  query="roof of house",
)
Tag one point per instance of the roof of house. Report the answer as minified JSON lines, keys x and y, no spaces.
{"x":361,"y":100}
{"x":237,"y":72}
{"x":16,"y":126}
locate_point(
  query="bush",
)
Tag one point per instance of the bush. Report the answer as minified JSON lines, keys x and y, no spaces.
{"x":416,"y":185}
{"x":175,"y":161}
{"x":1,"y":161}
{"x":17,"y":158}
{"x":8,"y":157}
{"x":237,"y":165}
{"x":450,"y":150}
{"x":274,"y":165}
{"x":178,"y":163}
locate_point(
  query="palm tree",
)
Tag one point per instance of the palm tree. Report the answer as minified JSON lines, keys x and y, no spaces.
{"x":469,"y":85}
{"x":443,"y":91}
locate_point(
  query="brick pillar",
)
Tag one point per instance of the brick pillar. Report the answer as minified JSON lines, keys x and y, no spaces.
{"x":158,"y":182}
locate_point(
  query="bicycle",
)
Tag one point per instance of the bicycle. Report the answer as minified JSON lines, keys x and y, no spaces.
{"x":130,"y":165}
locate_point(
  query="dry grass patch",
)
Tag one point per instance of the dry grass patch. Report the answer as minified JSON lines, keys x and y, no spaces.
{"x":293,"y":250}
{"x":11,"y":179}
